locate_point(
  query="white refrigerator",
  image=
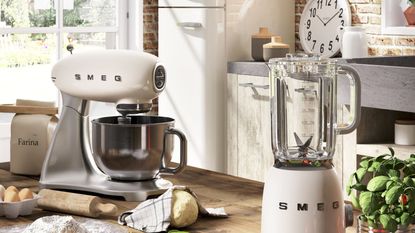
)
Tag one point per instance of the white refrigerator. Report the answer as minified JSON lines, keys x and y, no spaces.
{"x":192,"y":48}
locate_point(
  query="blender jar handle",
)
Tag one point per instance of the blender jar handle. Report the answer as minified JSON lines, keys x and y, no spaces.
{"x":355,"y":102}
{"x":183,"y":153}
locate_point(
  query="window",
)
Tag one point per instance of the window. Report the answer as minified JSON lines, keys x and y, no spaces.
{"x":34,"y":34}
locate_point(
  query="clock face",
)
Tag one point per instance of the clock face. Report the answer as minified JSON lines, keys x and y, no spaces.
{"x":320,"y":26}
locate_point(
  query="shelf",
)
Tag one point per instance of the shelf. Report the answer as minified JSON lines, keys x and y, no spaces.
{"x":407,"y":31}
{"x":393,"y":19}
{"x":373,"y":150}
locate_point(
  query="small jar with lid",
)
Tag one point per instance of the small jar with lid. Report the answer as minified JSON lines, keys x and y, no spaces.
{"x":405,"y":132}
{"x":276,"y":48}
{"x":257,"y":42}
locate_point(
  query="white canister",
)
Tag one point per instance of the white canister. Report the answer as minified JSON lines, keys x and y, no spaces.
{"x":405,"y":132}
{"x":354,"y":42}
{"x":31,"y":135}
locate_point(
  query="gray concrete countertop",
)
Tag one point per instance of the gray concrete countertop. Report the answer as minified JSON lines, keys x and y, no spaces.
{"x":387,"y":82}
{"x":260,"y":68}
{"x":248,"y":68}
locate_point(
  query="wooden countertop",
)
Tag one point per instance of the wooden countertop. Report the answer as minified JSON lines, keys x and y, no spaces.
{"x":240,"y":197}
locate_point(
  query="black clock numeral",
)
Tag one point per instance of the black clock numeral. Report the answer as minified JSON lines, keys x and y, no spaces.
{"x":342,"y":22}
{"x":313,"y":12}
{"x":335,"y":4}
{"x":328,"y":2}
{"x":314,"y":44}
{"x":308,"y":24}
{"x":331,"y":45}
{"x":341,"y":13}
{"x":309,"y":36}
{"x":319,"y":4}
{"x":337,"y":38}
{"x":322,"y":48}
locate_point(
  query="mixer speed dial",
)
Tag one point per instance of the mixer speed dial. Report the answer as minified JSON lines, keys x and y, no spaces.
{"x":159,"y":78}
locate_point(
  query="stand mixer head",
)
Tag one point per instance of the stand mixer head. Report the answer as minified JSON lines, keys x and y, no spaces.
{"x":129,"y":79}
{"x":134,"y":149}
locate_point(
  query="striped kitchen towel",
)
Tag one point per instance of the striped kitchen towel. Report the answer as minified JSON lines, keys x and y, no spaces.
{"x":153,"y":215}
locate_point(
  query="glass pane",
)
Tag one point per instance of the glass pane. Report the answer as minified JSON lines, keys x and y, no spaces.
{"x":25,"y":66}
{"x":88,"y":41}
{"x":24,"y":13}
{"x":89,"y":13}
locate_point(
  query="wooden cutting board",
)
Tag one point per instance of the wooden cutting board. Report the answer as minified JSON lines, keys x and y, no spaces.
{"x":11,"y":108}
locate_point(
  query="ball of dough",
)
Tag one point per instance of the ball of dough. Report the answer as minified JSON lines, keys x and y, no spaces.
{"x":184,"y":210}
{"x":11,"y":196}
{"x":2,"y":190}
{"x":25,"y":194}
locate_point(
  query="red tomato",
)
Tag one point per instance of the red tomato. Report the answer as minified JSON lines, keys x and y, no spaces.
{"x":403,"y":199}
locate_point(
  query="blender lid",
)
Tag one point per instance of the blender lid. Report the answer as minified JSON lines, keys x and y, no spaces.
{"x":302,"y":58}
{"x":303,"y":67}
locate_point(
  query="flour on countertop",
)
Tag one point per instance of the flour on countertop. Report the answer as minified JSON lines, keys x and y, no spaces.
{"x":65,"y":224}
{"x":55,"y":224}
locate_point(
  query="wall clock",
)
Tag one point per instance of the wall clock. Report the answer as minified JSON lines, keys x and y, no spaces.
{"x":320,"y":26}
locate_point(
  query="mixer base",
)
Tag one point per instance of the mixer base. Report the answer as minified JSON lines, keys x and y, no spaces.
{"x":97,"y":183}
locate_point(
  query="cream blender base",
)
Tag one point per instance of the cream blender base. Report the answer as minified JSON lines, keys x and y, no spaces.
{"x":314,"y":207}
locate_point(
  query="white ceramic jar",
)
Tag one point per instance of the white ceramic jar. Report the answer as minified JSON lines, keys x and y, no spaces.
{"x":354,"y":42}
{"x":405,"y":132}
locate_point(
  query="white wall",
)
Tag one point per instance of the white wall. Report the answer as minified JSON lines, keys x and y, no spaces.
{"x":244,"y":17}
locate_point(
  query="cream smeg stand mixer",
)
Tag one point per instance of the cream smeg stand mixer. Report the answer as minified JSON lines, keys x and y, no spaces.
{"x":302,"y":193}
{"x":124,"y":155}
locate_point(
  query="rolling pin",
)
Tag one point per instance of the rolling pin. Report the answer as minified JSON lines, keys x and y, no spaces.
{"x":74,"y":203}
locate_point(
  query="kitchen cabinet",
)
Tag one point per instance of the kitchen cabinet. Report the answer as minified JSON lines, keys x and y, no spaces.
{"x":248,"y":129}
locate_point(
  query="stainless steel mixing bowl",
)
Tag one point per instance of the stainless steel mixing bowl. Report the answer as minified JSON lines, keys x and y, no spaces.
{"x":136,"y":151}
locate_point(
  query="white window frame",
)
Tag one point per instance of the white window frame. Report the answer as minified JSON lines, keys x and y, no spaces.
{"x":129,"y":28}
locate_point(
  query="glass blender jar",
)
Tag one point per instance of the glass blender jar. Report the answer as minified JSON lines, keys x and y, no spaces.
{"x":304,"y":109}
{"x":302,"y":192}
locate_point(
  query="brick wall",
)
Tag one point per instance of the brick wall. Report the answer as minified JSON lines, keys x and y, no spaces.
{"x":367,"y":13}
{"x":150,"y":37}
{"x":150,"y":27}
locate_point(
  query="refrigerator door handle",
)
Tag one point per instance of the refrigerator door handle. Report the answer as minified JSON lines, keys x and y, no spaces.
{"x":190,"y":25}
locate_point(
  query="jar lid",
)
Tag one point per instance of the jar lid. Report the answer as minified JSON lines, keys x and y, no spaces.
{"x":276,"y":42}
{"x":263,"y":33}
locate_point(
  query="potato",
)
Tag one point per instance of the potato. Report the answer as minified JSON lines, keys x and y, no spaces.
{"x":184,"y":210}
{"x":11,"y":196}
{"x":25,"y":194}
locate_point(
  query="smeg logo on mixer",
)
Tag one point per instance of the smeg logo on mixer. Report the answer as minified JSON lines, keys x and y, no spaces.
{"x":305,"y":206}
{"x":102,"y":77}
